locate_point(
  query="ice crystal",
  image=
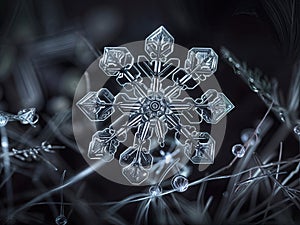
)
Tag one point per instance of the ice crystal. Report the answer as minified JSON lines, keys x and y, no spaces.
{"x":153,"y":105}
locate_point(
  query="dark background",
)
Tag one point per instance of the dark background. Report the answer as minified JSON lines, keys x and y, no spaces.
{"x":45,"y":46}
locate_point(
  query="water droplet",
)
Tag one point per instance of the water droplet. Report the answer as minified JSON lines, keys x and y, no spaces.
{"x":3,"y":120}
{"x":248,"y":136}
{"x":253,"y":86}
{"x":238,"y":150}
{"x":155,"y":190}
{"x":282,"y":115}
{"x":180,"y":183}
{"x":61,"y":220}
{"x":297,"y":130}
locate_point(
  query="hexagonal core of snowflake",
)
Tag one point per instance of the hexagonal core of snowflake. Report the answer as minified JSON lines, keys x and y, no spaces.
{"x":151,"y":107}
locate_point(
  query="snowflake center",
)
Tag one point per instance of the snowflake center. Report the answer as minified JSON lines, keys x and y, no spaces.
{"x":154,"y":107}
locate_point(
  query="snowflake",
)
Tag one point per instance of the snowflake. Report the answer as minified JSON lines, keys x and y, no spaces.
{"x":153,"y":105}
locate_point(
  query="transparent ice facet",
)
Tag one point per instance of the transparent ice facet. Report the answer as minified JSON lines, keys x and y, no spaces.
{"x":297,"y":130}
{"x":160,"y":44}
{"x":201,"y":149}
{"x":97,"y":106}
{"x":213,"y":106}
{"x":106,"y":99}
{"x":127,"y":75}
{"x":238,"y":150}
{"x":134,"y":154}
{"x":173,"y":121}
{"x":89,"y":105}
{"x":201,"y":63}
{"x":126,"y":104}
{"x":103,"y":145}
{"x":180,"y":183}
{"x":185,"y":79}
{"x":115,"y":59}
{"x":160,"y":130}
{"x":135,"y":173}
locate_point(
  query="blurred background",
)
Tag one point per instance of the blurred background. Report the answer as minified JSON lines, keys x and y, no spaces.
{"x":45,"y":47}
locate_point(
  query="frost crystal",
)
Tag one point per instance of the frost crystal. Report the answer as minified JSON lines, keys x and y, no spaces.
{"x":153,"y":105}
{"x":24,"y":116}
